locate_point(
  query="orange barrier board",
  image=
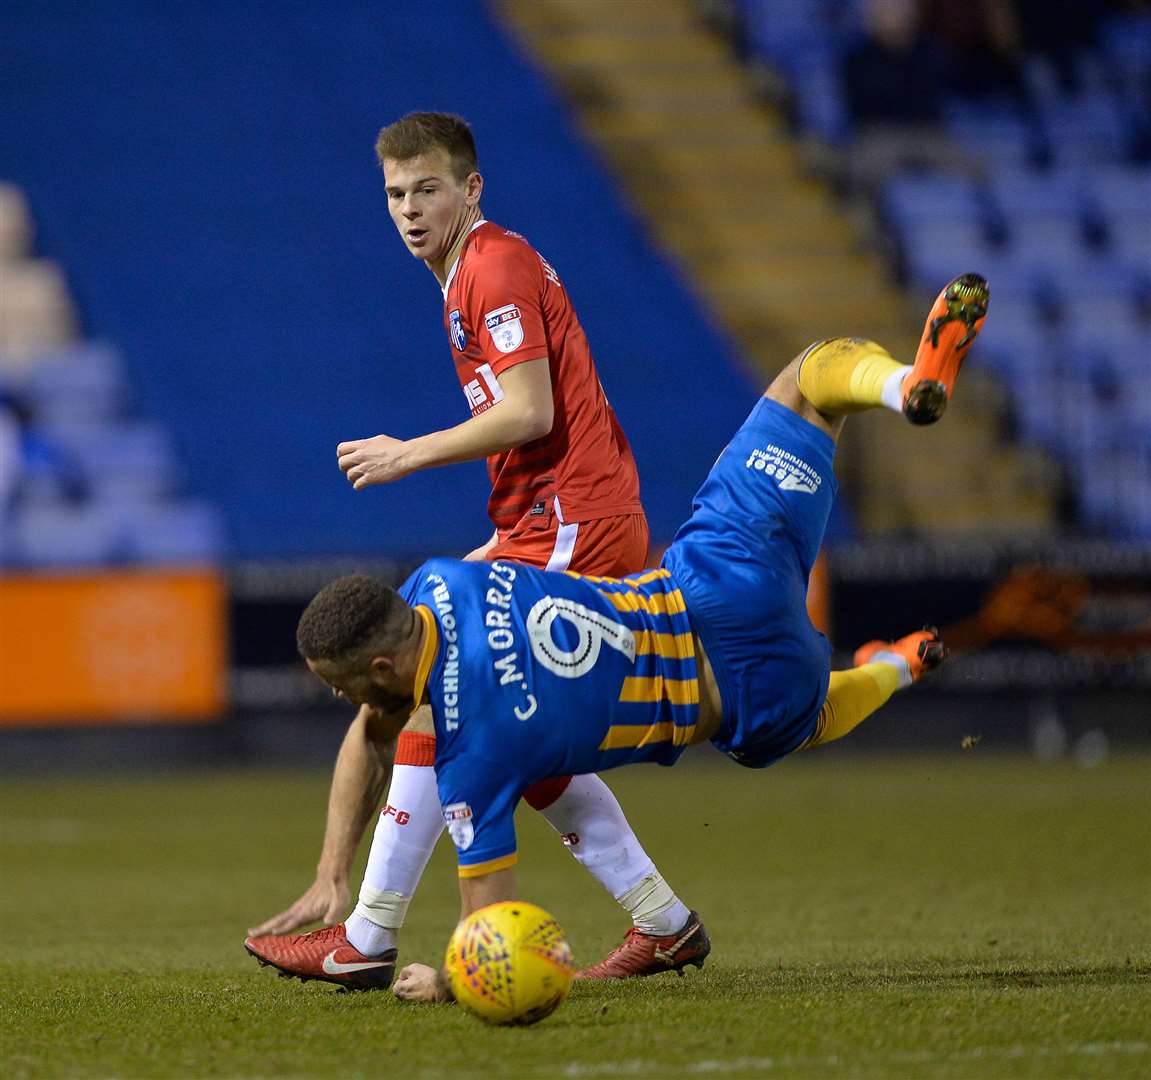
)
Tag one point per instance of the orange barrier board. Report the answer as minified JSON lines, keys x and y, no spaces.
{"x":126,"y":647}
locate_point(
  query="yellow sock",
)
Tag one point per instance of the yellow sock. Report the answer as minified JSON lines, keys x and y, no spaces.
{"x":845,"y":375}
{"x":852,"y":696}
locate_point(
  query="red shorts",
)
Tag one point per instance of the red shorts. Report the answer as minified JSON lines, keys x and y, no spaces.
{"x":603,"y":547}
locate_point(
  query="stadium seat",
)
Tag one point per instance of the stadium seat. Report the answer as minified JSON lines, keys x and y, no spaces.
{"x":1025,"y":193}
{"x":61,"y":535}
{"x":931,"y":247}
{"x":998,"y":137}
{"x":82,"y":384}
{"x":1016,"y":345}
{"x":819,"y":102}
{"x":788,"y":35}
{"x":913,"y":198}
{"x":1097,"y":274}
{"x":123,"y":462}
{"x":174,"y":532}
{"x":1119,"y":189}
{"x":1042,"y":243}
{"x":1088,"y":130}
{"x":1085,"y":313}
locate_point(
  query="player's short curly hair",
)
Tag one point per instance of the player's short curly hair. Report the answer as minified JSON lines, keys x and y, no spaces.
{"x":348,"y":614}
{"x":421,"y":132}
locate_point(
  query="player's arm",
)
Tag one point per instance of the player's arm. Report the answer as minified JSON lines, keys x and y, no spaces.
{"x":481,"y":553}
{"x":419,"y":982}
{"x":363,"y":768}
{"x":526,"y":412}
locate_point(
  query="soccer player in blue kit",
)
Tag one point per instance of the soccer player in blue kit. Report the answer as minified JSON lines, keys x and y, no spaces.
{"x":532,"y":674}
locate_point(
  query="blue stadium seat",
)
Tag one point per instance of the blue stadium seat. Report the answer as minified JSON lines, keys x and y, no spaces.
{"x":998,"y":137}
{"x":1016,"y":344}
{"x":1039,"y":415}
{"x":1126,"y":43}
{"x":1044,"y":243}
{"x":1130,"y":242}
{"x":128,"y":461}
{"x":912,"y":198}
{"x":790,"y":34}
{"x":933,"y":249}
{"x":939,"y":256}
{"x":1127,"y":341}
{"x":1081,"y":313}
{"x":1024,"y":193}
{"x":62,"y":535}
{"x":1098,"y":275}
{"x":175,"y":532}
{"x":84,"y":383}
{"x":1117,"y":189}
{"x":1089,"y":129}
{"x":820,"y":106}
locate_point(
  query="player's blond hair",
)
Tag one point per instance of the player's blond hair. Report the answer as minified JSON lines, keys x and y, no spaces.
{"x":422,"y":132}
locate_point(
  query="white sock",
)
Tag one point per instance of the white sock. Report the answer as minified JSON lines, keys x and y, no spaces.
{"x":367,"y":937}
{"x":592,"y":823}
{"x":892,"y":393}
{"x":407,"y":831}
{"x":654,"y":908}
{"x":884,"y":656}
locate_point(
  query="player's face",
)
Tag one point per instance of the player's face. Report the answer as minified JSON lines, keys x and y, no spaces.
{"x":376,"y":686}
{"x":428,"y":204}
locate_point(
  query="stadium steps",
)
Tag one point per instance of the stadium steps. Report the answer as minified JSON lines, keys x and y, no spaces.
{"x":720,"y":181}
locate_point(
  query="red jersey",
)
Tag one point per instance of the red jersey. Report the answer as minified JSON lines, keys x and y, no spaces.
{"x":504,"y":304}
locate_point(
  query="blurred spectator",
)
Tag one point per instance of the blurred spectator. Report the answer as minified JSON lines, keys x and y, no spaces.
{"x":892,"y":74}
{"x":31,"y":459}
{"x":983,"y":44}
{"x":894,"y":79}
{"x":1063,"y":31}
{"x":10,"y":457}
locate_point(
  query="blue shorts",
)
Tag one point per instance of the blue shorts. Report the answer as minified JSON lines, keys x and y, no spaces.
{"x":743,"y":560}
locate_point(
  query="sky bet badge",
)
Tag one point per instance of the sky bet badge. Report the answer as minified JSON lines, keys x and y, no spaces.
{"x":456,"y":330}
{"x":505,"y":327}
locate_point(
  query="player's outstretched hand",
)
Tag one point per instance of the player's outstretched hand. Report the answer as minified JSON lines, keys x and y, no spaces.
{"x":418,"y":982}
{"x":378,"y":460}
{"x":325,"y":901}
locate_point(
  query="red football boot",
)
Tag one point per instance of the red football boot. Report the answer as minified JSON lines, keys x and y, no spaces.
{"x":922,"y":650}
{"x":325,"y":955}
{"x":952,"y":326}
{"x":647,"y":954}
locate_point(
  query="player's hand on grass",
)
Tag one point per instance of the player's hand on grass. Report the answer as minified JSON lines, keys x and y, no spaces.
{"x":378,"y":460}
{"x":418,"y":982}
{"x":326,"y":901}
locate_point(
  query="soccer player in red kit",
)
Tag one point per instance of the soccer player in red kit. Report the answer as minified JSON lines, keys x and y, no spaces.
{"x":565,"y":495}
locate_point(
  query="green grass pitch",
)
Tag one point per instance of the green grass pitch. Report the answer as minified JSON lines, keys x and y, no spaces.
{"x":967,"y":915}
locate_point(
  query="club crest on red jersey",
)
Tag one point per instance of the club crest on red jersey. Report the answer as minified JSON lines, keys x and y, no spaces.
{"x":506,"y":327}
{"x":456,"y":331}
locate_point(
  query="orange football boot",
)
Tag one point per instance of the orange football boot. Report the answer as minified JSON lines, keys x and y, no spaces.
{"x":952,"y":326}
{"x":649,"y":954}
{"x":922,"y":650}
{"x":324,"y":955}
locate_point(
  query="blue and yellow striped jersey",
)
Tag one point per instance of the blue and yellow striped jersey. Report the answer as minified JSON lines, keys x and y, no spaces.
{"x":533,"y":674}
